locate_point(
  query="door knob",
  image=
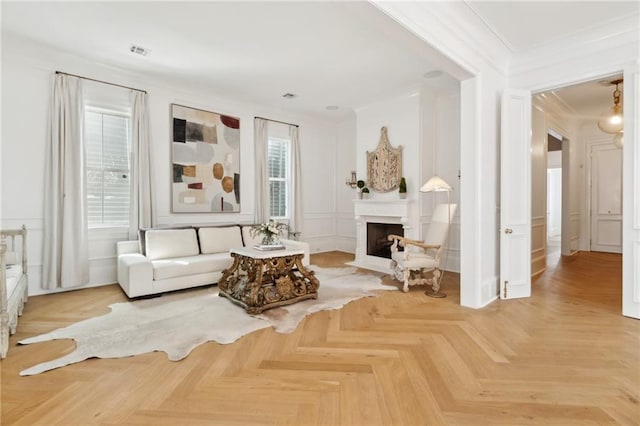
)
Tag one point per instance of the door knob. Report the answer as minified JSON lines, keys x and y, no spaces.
{"x":508,"y":231}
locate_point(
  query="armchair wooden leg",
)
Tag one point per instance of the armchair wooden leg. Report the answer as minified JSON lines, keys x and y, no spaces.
{"x":406,"y":274}
{"x":435,"y":285}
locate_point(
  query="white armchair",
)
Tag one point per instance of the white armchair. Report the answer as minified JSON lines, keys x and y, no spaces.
{"x":419,"y":263}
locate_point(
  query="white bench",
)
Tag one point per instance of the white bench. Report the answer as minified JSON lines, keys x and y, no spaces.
{"x":14,"y":282}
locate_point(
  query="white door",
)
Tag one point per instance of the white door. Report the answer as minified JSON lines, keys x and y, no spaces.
{"x":606,"y":198}
{"x":515,"y":195}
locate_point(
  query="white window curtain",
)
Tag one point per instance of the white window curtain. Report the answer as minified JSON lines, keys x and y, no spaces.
{"x":141,"y":211}
{"x":65,"y":241}
{"x":295,"y":222}
{"x":261,"y":143}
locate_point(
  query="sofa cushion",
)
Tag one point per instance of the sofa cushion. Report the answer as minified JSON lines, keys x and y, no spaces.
{"x":168,"y":243}
{"x":13,"y":274}
{"x":190,"y":265}
{"x":247,"y":239}
{"x":219,"y":239}
{"x":142,"y":234}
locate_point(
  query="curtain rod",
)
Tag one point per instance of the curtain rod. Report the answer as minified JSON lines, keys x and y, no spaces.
{"x":276,"y":121}
{"x":100,"y":81}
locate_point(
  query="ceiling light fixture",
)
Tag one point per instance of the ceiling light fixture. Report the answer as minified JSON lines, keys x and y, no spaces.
{"x":432,"y":74}
{"x":618,"y":139}
{"x":612,"y":121}
{"x":139,"y":50}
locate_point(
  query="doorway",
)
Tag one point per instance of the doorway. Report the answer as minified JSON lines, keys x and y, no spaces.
{"x":554,"y":197}
{"x":583,"y":178}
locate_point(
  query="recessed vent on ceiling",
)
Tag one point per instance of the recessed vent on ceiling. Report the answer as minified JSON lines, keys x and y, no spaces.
{"x":139,"y":50}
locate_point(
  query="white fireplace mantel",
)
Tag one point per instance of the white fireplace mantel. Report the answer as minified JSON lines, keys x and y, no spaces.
{"x":398,"y":211}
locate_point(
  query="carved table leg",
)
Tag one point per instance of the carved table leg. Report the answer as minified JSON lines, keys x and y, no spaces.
{"x":260,"y":284}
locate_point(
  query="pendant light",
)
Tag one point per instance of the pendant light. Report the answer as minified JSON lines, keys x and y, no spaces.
{"x":618,"y":139}
{"x":612,"y":121}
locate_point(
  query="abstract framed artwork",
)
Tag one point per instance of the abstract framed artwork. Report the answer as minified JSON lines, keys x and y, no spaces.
{"x":205,"y":157}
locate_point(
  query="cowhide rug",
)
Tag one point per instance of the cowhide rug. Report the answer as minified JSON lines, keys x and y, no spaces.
{"x":178,"y":323}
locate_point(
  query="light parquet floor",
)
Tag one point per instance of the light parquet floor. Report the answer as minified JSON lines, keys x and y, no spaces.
{"x":565,"y":356}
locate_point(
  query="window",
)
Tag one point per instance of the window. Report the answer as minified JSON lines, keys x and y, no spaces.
{"x":108,"y":147}
{"x":279,"y":176}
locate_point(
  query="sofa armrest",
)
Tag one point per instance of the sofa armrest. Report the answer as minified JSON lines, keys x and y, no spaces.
{"x":298,"y":245}
{"x":135,"y":274}
{"x":126,"y":247}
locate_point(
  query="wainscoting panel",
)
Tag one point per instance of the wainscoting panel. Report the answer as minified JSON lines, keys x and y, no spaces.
{"x":538,"y":245}
{"x":574,"y":232}
{"x":452,"y":253}
{"x":319,"y":231}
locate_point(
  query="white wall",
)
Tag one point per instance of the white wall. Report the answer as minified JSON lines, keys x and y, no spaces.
{"x":554,"y":201}
{"x":27,"y":74}
{"x":538,"y":191}
{"x":554,"y":193}
{"x":440,"y":154}
{"x":401,"y":116}
{"x":346,"y":163}
{"x":554,"y":159}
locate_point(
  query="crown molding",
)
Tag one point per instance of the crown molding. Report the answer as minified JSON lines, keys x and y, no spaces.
{"x":454,"y":29}
{"x":599,"y":40}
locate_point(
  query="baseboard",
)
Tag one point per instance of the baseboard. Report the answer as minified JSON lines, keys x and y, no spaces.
{"x":321,"y":244}
{"x":493,"y":299}
{"x":489,"y":292}
{"x":346,"y":244}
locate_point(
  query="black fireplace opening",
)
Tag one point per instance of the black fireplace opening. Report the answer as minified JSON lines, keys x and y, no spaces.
{"x":377,"y":243}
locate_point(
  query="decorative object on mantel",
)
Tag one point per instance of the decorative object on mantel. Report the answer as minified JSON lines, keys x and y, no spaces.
{"x":360,"y":185}
{"x":612,"y":121}
{"x":353,"y":182}
{"x":365,"y":193}
{"x":270,"y":233}
{"x":384,"y":165}
{"x":402,"y":189}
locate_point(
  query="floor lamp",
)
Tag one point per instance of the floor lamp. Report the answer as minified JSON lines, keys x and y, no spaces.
{"x":437,"y":184}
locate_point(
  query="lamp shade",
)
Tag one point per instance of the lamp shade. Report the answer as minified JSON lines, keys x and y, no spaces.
{"x":435,"y":184}
{"x":612,"y":121}
{"x":618,"y":139}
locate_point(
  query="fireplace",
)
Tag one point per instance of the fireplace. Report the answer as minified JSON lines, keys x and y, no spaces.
{"x":377,"y":243}
{"x":375,"y":219}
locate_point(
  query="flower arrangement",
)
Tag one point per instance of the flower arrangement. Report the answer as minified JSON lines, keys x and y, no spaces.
{"x":269,"y":231}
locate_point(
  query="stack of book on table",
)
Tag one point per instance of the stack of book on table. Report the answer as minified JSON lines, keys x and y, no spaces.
{"x":269,"y":247}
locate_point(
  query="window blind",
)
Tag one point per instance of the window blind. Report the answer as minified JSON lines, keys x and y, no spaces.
{"x":107,"y":144}
{"x":279,"y":176}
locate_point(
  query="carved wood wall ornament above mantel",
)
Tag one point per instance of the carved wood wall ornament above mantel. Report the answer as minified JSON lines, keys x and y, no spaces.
{"x":384,"y":165}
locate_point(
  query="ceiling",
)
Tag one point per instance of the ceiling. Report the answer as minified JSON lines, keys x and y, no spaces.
{"x":587,"y":101}
{"x":523,"y":25}
{"x":344,"y":54}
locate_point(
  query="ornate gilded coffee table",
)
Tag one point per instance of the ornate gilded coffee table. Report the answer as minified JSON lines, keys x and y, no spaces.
{"x":260,"y":280}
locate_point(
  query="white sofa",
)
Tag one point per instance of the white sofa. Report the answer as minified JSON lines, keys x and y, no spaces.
{"x":167,"y":259}
{"x":14,"y":282}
